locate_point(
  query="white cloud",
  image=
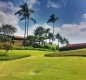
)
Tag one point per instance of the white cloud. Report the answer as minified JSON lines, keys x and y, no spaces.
{"x":8,"y":7}
{"x":51,"y":4}
{"x":84,"y":16}
{"x":6,"y":18}
{"x":75,"y":33}
{"x":33,"y":27}
{"x":59,"y":4}
{"x":7,"y":15}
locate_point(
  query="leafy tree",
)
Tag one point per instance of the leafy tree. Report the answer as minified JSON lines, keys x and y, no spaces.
{"x":32,"y":39}
{"x":53,"y":19}
{"x":39,"y":31}
{"x":25,"y":14}
{"x":7,"y":31}
{"x":41,"y":39}
{"x":65,"y":41}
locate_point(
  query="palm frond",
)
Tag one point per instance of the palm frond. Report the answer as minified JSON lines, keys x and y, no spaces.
{"x":49,"y":20}
{"x":33,"y":20}
{"x":19,"y":12}
{"x":22,"y":19}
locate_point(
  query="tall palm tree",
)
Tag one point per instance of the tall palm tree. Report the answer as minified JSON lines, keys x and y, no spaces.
{"x":30,"y":11}
{"x":53,"y":19}
{"x":59,"y":38}
{"x":25,"y":14}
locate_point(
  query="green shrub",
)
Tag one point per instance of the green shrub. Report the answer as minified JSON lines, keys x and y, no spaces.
{"x":23,"y":48}
{"x":67,"y":53}
{"x":46,"y":46}
{"x":51,"y":46}
{"x":6,"y":46}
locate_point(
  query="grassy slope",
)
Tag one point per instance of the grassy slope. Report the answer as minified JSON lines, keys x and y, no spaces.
{"x":39,"y":67}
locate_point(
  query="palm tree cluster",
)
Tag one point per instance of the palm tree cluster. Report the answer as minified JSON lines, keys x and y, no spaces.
{"x":40,"y":33}
{"x":25,"y":14}
{"x":53,"y":19}
{"x":61,"y":39}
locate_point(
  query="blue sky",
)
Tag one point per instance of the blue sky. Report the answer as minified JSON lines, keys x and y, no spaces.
{"x":71,"y":13}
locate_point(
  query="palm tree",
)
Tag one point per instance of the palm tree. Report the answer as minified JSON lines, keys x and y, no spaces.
{"x":59,"y":38}
{"x":53,"y":19}
{"x":64,"y":41}
{"x":25,"y":14}
{"x":30,"y":11}
{"x":67,"y":42}
{"x":50,"y":36}
{"x":46,"y":33}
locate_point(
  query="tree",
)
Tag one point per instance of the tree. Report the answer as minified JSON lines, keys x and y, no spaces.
{"x":46,"y":33}
{"x":32,"y":39}
{"x":6,"y":46}
{"x":7,"y":31}
{"x":65,"y":41}
{"x":59,"y":38}
{"x":50,"y":37}
{"x":53,"y":19}
{"x":41,"y":39}
{"x":25,"y":14}
{"x":39,"y":31}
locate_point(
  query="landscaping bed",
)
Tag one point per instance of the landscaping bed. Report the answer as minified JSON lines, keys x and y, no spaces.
{"x":67,"y":53}
{"x":12,"y":55}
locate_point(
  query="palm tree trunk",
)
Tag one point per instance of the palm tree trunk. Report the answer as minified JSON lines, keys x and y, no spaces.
{"x":58,"y":44}
{"x":25,"y":34}
{"x":46,"y":37}
{"x":53,"y":32}
{"x":27,"y":26}
{"x":49,"y":41}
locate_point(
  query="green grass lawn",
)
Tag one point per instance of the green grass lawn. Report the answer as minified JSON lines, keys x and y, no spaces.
{"x":38,"y":67}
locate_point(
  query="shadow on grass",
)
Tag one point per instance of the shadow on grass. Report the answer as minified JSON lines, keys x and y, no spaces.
{"x":6,"y":57}
{"x":64,"y":55}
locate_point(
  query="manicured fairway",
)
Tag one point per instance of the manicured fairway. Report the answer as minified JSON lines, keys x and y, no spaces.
{"x":38,"y":67}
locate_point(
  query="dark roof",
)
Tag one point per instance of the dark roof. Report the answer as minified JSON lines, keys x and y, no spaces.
{"x":18,"y":38}
{"x":80,"y":44}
